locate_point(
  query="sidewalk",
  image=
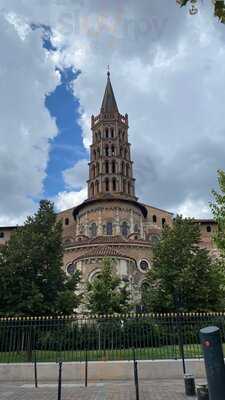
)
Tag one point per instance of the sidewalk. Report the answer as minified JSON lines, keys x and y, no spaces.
{"x":152,"y":390}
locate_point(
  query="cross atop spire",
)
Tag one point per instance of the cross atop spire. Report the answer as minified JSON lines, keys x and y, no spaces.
{"x":109,"y":102}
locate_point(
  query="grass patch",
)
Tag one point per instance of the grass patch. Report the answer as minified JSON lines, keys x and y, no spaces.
{"x":148,"y":353}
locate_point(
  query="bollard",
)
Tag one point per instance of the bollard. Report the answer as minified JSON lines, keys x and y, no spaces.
{"x":189,"y":382}
{"x":214,"y":362}
{"x":202,"y":392}
{"x":60,"y":381}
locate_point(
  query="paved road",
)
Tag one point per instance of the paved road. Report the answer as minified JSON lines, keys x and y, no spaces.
{"x":154,"y":390}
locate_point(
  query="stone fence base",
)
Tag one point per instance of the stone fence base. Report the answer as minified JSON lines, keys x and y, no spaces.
{"x":101,"y":371}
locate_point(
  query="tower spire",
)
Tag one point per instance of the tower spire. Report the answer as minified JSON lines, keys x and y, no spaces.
{"x":109,"y":102}
{"x":110,"y":167}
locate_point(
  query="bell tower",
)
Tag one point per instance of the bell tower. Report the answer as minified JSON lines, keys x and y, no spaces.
{"x":110,"y":166}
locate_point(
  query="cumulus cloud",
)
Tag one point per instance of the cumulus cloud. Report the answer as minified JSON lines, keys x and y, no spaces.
{"x":65,"y":200}
{"x":75,"y":177}
{"x":168,"y":73}
{"x":75,"y":180}
{"x":26,"y":76}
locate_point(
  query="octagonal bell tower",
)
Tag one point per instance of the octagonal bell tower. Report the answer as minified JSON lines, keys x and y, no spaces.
{"x":110,"y":166}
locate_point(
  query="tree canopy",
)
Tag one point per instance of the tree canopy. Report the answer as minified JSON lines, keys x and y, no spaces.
{"x":32,"y":280}
{"x":183,"y":276}
{"x":218,"y":210}
{"x":107,"y":294}
{"x":219,"y":7}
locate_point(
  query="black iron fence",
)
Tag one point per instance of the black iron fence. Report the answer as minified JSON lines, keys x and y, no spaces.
{"x":113,"y":337}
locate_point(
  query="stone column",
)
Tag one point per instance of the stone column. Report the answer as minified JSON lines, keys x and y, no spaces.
{"x":117,"y":222}
{"x":100,"y":230}
{"x":86,"y":225}
{"x":131,"y":221}
{"x":77,"y":226}
{"x":142,"y":230}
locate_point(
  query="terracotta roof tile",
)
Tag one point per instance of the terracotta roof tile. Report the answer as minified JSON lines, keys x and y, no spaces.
{"x":109,"y":239}
{"x":106,"y":251}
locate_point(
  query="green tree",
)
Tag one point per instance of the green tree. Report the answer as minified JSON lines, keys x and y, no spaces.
{"x":218,"y":210}
{"x":219,"y":7}
{"x":32,"y":281}
{"x":183,"y":276}
{"x":107,"y":294}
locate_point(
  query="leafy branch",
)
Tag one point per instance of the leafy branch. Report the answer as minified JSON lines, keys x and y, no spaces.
{"x":219,"y":8}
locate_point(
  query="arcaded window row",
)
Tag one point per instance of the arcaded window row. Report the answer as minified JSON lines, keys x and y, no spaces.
{"x":111,"y":185}
{"x":111,"y":167}
{"x":110,"y":151}
{"x":109,"y":133}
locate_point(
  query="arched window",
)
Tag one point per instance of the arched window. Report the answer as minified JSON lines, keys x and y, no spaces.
{"x":97,"y":187}
{"x":136,"y":229}
{"x":109,"y":228}
{"x":106,"y":151}
{"x":97,"y":169}
{"x":125,"y":154}
{"x":67,"y":221}
{"x":127,"y":170}
{"x":94,"y":154}
{"x":125,"y":229}
{"x":113,"y":167}
{"x":113,"y":150}
{"x":154,"y":219}
{"x":123,"y":168}
{"x":121,"y":152}
{"x":208,"y":229}
{"x":143,"y":265}
{"x":93,"y":171}
{"x":106,"y":133}
{"x":154,"y":239}
{"x":124,"y":186}
{"x":120,"y":134}
{"x":92,"y":189}
{"x":112,"y":133}
{"x":163,"y":222}
{"x":123,"y":136}
{"x":98,"y":151}
{"x":99,"y":135}
{"x":93,"y":230}
{"x":71,"y":269}
{"x":106,"y":167}
{"x":114,"y":184}
{"x":106,"y":185}
{"x":94,"y":276}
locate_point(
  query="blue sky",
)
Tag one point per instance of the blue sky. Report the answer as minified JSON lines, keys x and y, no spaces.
{"x":67,"y":147}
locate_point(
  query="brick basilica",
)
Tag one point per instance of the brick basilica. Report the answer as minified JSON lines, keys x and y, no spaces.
{"x":111,"y":221}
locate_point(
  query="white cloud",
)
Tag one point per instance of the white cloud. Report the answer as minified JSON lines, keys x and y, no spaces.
{"x":168,"y":73}
{"x":27,"y":74}
{"x":65,"y":200}
{"x":194,"y":209}
{"x":75,"y":177}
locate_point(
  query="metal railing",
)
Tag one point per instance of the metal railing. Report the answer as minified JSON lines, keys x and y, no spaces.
{"x":98,"y":338}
